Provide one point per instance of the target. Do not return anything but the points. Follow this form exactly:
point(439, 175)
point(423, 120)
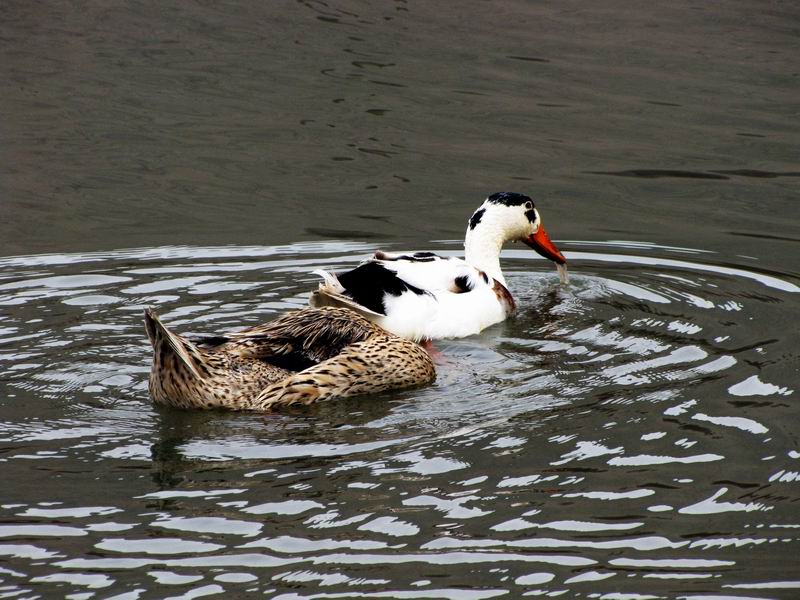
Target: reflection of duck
point(426, 296)
point(304, 356)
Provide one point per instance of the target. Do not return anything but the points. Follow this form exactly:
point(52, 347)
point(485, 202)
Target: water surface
point(631, 433)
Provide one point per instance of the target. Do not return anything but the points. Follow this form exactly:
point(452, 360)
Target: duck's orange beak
point(540, 242)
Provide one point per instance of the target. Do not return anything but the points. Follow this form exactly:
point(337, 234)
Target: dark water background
point(632, 436)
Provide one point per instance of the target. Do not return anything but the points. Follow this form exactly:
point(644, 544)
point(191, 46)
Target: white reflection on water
point(110, 526)
point(210, 494)
point(40, 531)
point(711, 506)
point(78, 512)
point(452, 508)
point(534, 578)
point(205, 590)
point(236, 577)
point(157, 546)
point(295, 545)
point(671, 563)
point(784, 476)
point(753, 386)
point(227, 450)
point(451, 558)
point(65, 282)
point(571, 525)
point(640, 493)
point(330, 520)
point(788, 585)
point(170, 578)
point(287, 507)
point(391, 526)
point(209, 525)
point(438, 593)
point(510, 482)
point(589, 576)
point(587, 450)
point(27, 551)
point(80, 579)
point(643, 543)
point(649, 459)
point(738, 422)
point(217, 561)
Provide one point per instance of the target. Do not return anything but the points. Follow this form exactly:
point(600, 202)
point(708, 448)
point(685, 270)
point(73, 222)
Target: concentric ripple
point(628, 436)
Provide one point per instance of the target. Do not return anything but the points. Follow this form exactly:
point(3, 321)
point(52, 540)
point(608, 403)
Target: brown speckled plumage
point(504, 297)
point(305, 356)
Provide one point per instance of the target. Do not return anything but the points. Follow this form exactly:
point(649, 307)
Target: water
point(630, 433)
point(630, 436)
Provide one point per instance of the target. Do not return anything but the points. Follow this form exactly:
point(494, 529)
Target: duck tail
point(330, 281)
point(166, 342)
point(332, 293)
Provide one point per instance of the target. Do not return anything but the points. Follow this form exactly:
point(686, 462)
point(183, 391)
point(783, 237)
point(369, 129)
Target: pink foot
point(436, 356)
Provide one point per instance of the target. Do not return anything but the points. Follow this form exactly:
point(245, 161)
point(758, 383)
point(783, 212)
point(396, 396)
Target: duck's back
point(418, 296)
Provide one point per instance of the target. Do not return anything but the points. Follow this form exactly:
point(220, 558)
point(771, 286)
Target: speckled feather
point(348, 355)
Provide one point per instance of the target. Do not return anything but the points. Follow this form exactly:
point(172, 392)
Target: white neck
point(482, 247)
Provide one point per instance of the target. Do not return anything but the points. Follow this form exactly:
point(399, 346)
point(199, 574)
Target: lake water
point(633, 435)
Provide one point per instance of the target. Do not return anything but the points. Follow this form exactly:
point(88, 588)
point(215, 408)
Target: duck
point(423, 296)
point(304, 356)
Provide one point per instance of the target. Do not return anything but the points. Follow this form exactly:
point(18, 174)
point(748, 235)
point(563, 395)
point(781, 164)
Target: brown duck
point(304, 356)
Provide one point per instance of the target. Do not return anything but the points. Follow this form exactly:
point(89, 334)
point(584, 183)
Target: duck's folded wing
point(403, 293)
point(378, 364)
point(366, 287)
point(313, 334)
point(332, 293)
point(363, 289)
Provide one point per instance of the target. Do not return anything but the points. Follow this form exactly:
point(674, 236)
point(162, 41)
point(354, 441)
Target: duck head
point(506, 216)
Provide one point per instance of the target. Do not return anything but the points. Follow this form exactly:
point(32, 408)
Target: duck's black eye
point(529, 205)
